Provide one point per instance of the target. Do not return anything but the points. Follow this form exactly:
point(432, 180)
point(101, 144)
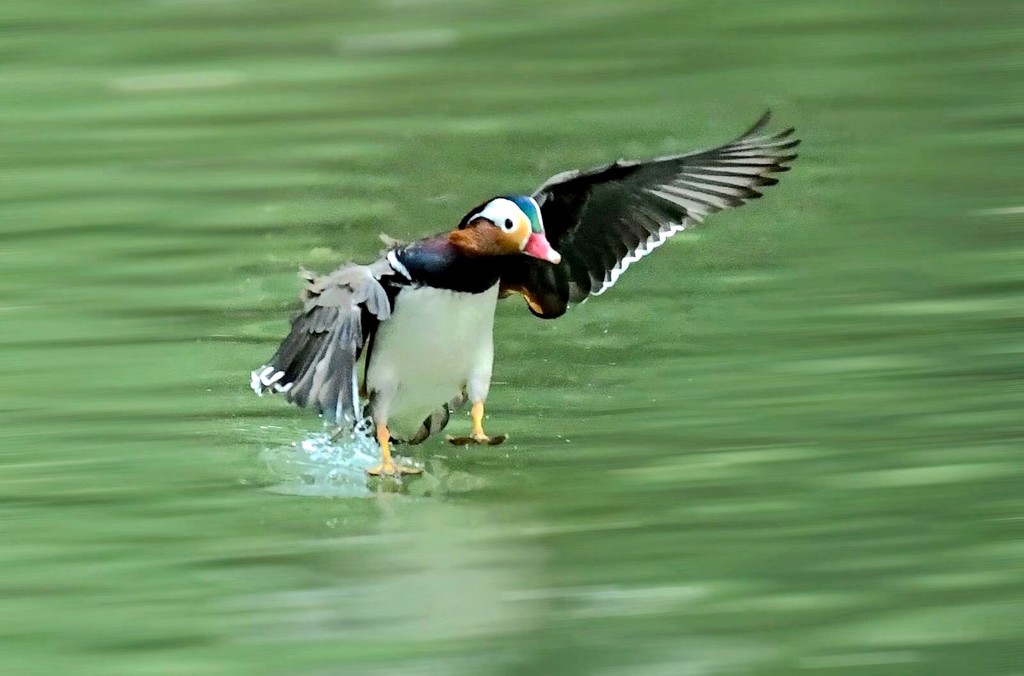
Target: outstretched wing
point(315, 365)
point(606, 219)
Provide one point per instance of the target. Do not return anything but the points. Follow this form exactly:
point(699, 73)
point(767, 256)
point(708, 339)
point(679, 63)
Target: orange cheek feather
point(522, 233)
point(485, 240)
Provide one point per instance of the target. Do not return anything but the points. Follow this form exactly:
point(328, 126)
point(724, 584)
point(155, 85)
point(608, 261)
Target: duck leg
point(389, 467)
point(478, 436)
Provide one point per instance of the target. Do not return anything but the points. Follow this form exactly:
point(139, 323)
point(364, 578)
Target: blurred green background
point(789, 442)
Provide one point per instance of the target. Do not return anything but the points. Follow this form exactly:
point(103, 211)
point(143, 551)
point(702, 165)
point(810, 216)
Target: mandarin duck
point(423, 313)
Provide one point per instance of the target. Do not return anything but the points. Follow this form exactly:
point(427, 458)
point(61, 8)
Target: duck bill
point(538, 247)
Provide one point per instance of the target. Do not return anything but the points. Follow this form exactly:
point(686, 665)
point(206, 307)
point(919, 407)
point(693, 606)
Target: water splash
point(325, 464)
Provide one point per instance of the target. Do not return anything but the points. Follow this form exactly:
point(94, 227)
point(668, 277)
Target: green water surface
point(787, 443)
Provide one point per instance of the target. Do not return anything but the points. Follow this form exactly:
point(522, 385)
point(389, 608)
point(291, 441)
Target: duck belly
point(436, 343)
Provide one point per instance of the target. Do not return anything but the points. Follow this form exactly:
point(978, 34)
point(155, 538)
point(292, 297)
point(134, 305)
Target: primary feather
point(316, 364)
point(605, 219)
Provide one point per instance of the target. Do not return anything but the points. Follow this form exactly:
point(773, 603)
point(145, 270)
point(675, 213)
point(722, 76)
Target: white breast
point(435, 343)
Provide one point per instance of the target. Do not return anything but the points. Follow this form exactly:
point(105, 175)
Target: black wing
point(606, 219)
point(315, 365)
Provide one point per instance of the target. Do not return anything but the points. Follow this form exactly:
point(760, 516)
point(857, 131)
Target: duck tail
point(438, 420)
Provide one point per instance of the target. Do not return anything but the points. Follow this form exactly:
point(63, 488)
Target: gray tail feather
point(438, 420)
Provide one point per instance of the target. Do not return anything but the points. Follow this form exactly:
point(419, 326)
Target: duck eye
point(508, 224)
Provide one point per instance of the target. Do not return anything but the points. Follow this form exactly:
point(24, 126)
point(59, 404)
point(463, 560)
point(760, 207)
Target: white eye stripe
point(504, 213)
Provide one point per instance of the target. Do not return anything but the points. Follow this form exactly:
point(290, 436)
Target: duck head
point(505, 226)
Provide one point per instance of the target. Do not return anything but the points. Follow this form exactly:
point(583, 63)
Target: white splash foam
point(325, 465)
